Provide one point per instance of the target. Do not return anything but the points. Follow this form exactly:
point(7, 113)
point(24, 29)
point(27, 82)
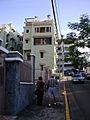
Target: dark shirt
point(40, 85)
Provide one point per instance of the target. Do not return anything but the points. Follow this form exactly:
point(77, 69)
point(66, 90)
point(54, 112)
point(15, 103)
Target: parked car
point(78, 78)
point(75, 71)
point(68, 72)
point(88, 76)
point(83, 73)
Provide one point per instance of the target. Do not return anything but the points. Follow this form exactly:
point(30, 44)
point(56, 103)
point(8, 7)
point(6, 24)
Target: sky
point(15, 11)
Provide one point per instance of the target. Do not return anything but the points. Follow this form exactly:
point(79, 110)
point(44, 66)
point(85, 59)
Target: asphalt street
point(79, 100)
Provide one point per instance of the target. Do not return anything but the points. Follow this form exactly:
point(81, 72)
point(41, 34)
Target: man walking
point(52, 90)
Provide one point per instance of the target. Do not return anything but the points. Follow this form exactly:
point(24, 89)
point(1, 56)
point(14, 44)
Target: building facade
point(39, 38)
point(12, 40)
point(63, 51)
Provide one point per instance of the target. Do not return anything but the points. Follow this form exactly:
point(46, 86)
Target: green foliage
point(79, 39)
point(83, 28)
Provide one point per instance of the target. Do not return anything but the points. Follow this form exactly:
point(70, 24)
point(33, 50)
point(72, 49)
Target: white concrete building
point(12, 40)
point(61, 62)
point(39, 38)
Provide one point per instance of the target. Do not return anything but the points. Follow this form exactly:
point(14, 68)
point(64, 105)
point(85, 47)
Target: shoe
point(55, 103)
point(49, 105)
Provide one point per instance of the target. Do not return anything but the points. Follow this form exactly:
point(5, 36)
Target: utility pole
point(55, 14)
point(62, 45)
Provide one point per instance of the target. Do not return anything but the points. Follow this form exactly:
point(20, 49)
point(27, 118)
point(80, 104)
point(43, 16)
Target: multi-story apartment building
point(12, 40)
point(39, 38)
point(62, 53)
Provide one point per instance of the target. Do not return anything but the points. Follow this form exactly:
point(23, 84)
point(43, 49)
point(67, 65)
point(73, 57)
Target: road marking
point(66, 104)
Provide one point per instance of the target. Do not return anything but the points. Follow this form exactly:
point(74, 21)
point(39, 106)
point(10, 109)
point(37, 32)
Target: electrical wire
point(58, 24)
point(53, 8)
point(56, 17)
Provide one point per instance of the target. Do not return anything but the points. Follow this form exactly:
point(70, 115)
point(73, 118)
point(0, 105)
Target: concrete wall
point(16, 92)
point(19, 93)
point(2, 82)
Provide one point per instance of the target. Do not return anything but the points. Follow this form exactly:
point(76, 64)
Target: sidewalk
point(7, 117)
point(34, 112)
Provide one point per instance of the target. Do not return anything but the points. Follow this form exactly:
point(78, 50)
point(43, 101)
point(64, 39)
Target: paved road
point(79, 100)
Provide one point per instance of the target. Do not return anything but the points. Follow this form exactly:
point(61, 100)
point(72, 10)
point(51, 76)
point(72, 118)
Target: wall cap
point(14, 59)
point(26, 83)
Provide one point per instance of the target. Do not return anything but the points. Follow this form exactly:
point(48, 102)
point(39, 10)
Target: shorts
point(52, 92)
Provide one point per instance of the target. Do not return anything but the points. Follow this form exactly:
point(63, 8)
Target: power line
point(56, 17)
point(53, 8)
point(59, 28)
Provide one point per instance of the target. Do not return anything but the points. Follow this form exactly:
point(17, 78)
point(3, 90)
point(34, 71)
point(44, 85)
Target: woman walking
point(40, 90)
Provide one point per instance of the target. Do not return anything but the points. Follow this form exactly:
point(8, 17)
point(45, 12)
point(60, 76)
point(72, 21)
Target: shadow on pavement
point(34, 112)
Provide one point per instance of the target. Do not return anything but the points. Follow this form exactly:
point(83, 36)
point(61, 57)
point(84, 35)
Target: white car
point(78, 78)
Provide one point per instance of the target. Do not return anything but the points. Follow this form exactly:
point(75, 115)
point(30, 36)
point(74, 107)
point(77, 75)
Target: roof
point(4, 49)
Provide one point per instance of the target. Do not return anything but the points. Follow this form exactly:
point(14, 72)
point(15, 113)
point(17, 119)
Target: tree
point(83, 29)
point(79, 39)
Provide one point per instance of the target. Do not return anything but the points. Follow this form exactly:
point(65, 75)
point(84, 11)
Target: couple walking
point(51, 86)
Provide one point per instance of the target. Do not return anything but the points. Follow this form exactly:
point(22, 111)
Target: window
point(13, 30)
point(27, 31)
point(6, 45)
point(48, 29)
point(66, 48)
point(15, 43)
point(37, 41)
point(26, 41)
point(37, 29)
point(66, 54)
point(41, 67)
point(28, 57)
point(43, 41)
point(59, 48)
point(41, 54)
point(7, 36)
point(49, 41)
point(20, 47)
point(19, 37)
point(42, 29)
